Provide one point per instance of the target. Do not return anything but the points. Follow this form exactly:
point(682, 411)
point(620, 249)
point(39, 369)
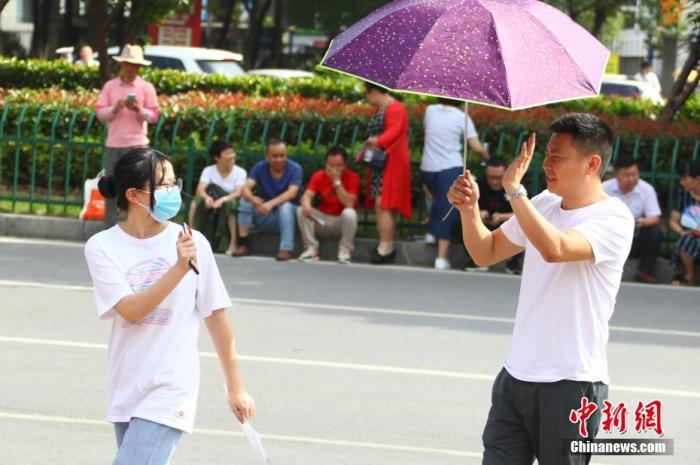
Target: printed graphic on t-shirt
point(143, 276)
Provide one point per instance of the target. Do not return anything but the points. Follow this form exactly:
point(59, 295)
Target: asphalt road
point(348, 364)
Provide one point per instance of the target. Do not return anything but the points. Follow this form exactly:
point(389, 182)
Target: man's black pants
point(645, 247)
point(531, 420)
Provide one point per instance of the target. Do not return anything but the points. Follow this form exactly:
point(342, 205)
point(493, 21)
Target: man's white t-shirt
point(641, 200)
point(561, 325)
point(235, 178)
point(444, 136)
point(153, 366)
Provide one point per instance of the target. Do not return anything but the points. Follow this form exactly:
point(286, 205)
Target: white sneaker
point(311, 254)
point(442, 264)
point(344, 255)
point(429, 238)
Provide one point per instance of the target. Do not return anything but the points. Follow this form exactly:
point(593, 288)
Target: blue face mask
point(168, 203)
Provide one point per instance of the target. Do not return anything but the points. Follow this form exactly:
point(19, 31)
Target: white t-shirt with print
point(444, 136)
point(153, 366)
point(561, 325)
point(235, 178)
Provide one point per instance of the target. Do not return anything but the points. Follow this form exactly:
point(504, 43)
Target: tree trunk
point(42, 28)
point(121, 21)
point(99, 16)
point(100, 19)
point(227, 20)
point(681, 90)
point(3, 4)
point(276, 51)
point(135, 26)
point(256, 18)
point(600, 15)
point(68, 34)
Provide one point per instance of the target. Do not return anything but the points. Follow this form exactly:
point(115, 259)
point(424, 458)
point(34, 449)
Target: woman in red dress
point(388, 190)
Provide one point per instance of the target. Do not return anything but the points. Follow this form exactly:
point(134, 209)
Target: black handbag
point(215, 191)
point(376, 158)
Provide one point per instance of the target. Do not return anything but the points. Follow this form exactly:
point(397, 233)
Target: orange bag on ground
point(94, 202)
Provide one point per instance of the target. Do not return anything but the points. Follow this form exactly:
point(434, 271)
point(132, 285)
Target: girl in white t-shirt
point(144, 280)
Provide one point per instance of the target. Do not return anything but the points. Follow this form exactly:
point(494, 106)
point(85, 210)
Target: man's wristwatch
point(336, 183)
point(519, 192)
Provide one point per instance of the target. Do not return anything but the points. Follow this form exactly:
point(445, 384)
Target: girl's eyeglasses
point(169, 188)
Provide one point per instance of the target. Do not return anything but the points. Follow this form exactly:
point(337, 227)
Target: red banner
point(179, 29)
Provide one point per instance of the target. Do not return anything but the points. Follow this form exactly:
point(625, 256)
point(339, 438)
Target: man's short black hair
point(496, 162)
point(372, 86)
point(273, 141)
point(337, 150)
point(217, 148)
point(645, 64)
point(451, 102)
point(624, 161)
point(590, 135)
point(690, 168)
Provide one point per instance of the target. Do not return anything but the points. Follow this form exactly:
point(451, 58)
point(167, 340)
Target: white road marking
point(271, 437)
point(411, 268)
point(355, 309)
point(353, 366)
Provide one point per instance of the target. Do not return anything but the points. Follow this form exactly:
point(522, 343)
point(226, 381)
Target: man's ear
point(594, 163)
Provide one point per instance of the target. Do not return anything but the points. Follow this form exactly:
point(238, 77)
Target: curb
point(407, 253)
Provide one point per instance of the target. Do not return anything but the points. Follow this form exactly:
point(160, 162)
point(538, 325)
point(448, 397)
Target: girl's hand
point(242, 405)
point(186, 251)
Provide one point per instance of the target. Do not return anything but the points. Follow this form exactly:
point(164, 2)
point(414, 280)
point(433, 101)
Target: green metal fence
point(46, 154)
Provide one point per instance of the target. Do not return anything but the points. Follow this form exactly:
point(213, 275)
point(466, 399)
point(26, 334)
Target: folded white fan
point(254, 439)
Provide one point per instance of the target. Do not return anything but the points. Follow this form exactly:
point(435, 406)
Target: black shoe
point(378, 259)
point(513, 269)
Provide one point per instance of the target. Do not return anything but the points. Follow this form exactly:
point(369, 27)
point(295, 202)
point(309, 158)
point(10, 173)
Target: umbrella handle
point(464, 164)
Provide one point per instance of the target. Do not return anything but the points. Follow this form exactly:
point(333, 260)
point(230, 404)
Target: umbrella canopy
point(511, 54)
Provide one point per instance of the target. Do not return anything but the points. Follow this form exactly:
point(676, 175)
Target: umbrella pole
point(466, 128)
point(464, 150)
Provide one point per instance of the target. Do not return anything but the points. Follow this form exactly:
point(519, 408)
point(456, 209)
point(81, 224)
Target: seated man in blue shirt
point(273, 207)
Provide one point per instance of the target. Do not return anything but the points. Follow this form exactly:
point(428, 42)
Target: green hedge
point(39, 74)
point(44, 134)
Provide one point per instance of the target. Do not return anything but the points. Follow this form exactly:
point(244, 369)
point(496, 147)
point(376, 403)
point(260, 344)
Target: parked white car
point(622, 86)
point(192, 59)
point(282, 73)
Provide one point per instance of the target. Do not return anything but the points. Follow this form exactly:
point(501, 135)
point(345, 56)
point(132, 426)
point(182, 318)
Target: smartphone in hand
point(187, 231)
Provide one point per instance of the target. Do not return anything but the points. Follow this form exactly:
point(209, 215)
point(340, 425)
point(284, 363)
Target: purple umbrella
point(512, 54)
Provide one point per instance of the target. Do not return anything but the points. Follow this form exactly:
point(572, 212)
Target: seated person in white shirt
point(213, 211)
point(640, 197)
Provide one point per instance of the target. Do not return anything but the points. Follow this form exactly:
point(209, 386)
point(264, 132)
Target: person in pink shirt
point(128, 104)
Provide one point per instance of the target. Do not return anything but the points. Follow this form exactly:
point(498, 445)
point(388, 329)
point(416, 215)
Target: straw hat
point(132, 54)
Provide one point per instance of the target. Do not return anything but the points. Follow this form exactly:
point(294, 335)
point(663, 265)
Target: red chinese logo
point(614, 417)
point(648, 417)
point(582, 415)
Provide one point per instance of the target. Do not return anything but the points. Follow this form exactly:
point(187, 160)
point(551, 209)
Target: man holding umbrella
point(576, 240)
